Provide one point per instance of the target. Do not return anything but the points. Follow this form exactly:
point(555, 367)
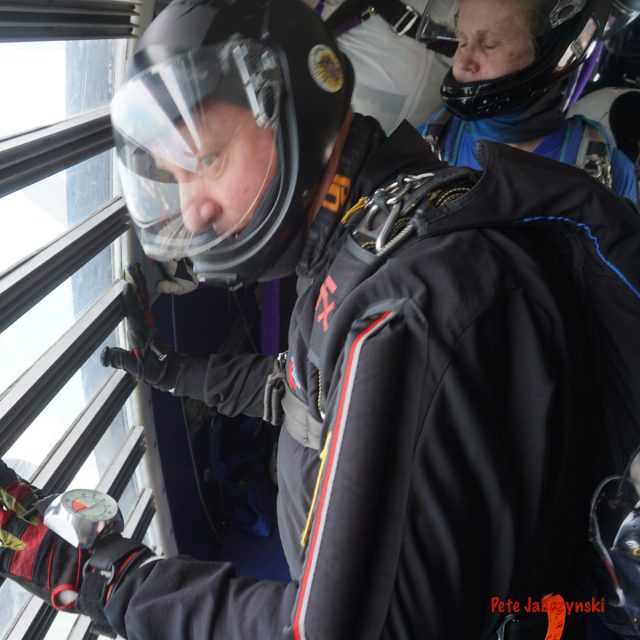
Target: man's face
point(492, 42)
point(237, 160)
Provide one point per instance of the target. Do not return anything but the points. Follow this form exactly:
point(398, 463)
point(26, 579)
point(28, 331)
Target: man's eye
point(209, 160)
point(489, 46)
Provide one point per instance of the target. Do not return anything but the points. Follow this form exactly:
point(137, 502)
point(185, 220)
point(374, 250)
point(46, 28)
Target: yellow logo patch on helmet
point(326, 69)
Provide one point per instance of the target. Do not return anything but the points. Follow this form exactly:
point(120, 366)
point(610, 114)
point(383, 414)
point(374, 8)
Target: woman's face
point(237, 162)
point(492, 42)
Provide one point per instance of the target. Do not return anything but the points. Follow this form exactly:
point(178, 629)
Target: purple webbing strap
point(270, 318)
point(585, 73)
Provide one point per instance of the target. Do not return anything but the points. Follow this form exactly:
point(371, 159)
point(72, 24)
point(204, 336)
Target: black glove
point(152, 359)
point(178, 277)
point(49, 567)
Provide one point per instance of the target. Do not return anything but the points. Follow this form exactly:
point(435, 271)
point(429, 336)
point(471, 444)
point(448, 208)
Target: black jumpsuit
point(438, 416)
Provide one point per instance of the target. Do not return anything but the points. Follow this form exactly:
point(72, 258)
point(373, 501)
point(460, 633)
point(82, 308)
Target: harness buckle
point(599, 168)
point(274, 391)
point(377, 230)
point(406, 21)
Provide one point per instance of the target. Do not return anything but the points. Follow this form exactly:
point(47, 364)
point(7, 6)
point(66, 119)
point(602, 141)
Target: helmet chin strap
point(332, 167)
point(287, 261)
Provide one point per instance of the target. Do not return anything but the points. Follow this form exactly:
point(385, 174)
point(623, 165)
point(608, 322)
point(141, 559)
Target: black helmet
point(566, 39)
point(203, 71)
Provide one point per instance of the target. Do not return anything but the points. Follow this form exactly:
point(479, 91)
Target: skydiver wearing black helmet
point(442, 386)
point(517, 68)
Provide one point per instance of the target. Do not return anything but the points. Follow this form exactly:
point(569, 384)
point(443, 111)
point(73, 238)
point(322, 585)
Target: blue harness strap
point(579, 133)
point(443, 132)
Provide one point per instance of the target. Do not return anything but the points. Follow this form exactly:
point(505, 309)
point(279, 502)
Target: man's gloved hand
point(178, 277)
point(46, 565)
point(152, 359)
point(30, 553)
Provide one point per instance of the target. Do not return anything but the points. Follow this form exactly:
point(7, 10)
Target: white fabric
point(171, 284)
point(150, 560)
point(397, 77)
point(66, 597)
point(597, 105)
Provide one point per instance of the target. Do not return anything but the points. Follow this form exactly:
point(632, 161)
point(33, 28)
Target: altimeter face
point(87, 504)
point(81, 516)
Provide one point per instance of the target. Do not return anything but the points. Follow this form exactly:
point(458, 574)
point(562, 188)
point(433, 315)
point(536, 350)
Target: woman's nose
point(465, 63)
point(199, 208)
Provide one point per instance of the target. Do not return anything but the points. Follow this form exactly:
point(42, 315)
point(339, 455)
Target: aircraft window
point(62, 626)
point(30, 336)
point(66, 421)
point(51, 206)
point(52, 423)
point(58, 85)
point(12, 600)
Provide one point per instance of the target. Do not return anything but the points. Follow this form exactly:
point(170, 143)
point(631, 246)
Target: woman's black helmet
point(567, 38)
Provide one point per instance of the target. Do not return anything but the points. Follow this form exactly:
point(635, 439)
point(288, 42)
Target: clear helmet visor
point(446, 26)
point(197, 141)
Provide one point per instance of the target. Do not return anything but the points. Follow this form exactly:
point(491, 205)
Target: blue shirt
point(561, 144)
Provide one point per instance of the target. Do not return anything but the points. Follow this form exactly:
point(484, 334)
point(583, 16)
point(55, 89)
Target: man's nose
point(198, 206)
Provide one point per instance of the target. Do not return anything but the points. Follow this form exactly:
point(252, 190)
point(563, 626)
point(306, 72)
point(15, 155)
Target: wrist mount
point(110, 560)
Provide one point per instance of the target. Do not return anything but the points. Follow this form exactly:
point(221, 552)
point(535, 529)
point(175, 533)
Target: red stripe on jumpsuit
point(305, 583)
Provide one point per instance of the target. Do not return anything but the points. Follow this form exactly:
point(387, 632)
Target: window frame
point(33, 20)
point(28, 158)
